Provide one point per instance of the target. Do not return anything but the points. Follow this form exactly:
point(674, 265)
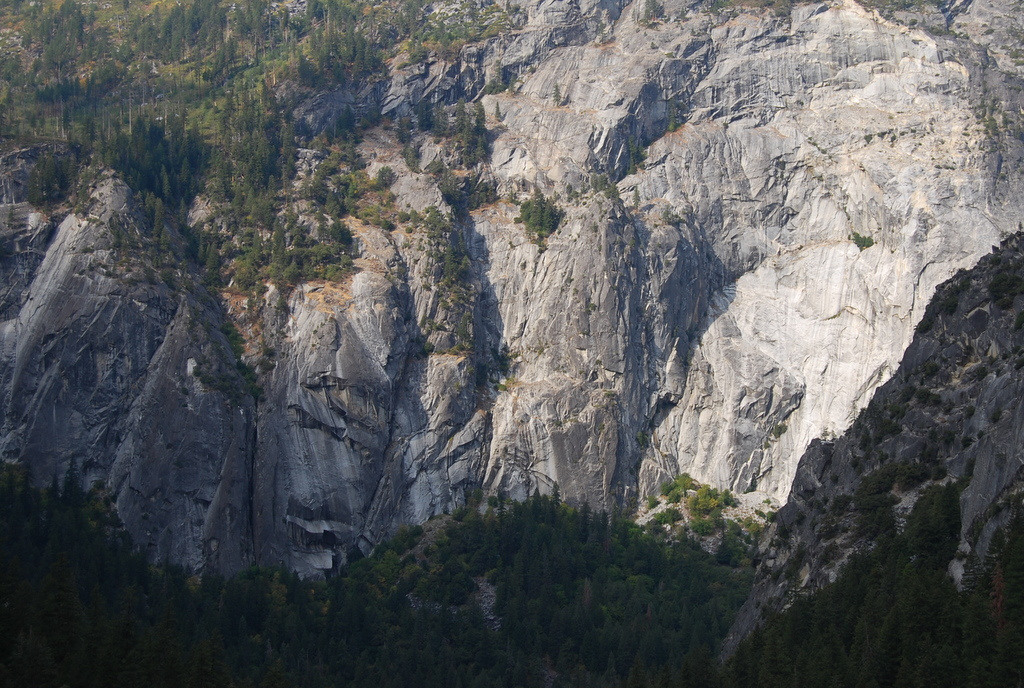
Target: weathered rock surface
point(712, 312)
point(96, 372)
point(951, 408)
point(724, 318)
point(798, 136)
point(832, 132)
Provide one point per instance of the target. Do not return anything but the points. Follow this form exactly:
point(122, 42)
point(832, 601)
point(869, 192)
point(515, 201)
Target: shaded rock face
point(96, 368)
point(327, 418)
point(950, 411)
point(785, 195)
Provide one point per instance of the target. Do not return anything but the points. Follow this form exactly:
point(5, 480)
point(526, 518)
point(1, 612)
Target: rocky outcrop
point(757, 209)
point(836, 140)
point(796, 138)
point(950, 412)
point(99, 366)
point(328, 412)
point(761, 279)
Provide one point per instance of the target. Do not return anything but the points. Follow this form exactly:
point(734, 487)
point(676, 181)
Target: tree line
point(581, 598)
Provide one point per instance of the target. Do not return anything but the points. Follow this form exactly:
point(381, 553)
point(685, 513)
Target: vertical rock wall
point(757, 209)
point(98, 375)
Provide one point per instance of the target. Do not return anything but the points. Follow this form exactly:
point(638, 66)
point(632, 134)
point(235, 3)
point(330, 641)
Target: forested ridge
point(895, 618)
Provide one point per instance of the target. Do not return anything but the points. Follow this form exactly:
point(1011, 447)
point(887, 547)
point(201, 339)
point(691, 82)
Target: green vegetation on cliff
point(201, 97)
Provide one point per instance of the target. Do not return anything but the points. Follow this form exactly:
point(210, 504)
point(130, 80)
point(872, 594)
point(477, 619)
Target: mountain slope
point(738, 217)
point(950, 413)
point(103, 363)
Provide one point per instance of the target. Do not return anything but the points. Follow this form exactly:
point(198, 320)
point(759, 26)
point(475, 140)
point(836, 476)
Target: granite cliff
point(950, 413)
point(101, 362)
point(758, 207)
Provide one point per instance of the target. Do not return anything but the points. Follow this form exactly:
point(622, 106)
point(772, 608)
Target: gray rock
point(950, 408)
point(97, 375)
point(709, 310)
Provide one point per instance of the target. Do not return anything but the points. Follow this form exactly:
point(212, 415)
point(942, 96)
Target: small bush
point(386, 177)
point(702, 526)
point(709, 502)
point(668, 517)
point(862, 241)
point(1004, 287)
